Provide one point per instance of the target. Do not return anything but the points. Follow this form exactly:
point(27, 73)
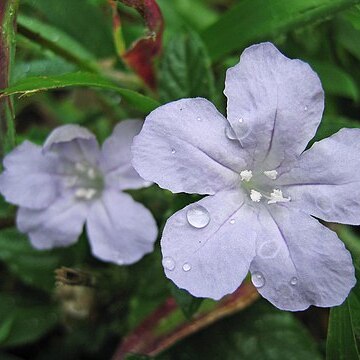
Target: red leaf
point(140, 57)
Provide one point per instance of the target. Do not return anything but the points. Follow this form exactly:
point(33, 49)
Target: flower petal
point(211, 261)
point(73, 143)
point(29, 178)
point(325, 182)
point(56, 226)
point(274, 104)
point(120, 230)
point(183, 148)
point(300, 262)
point(116, 157)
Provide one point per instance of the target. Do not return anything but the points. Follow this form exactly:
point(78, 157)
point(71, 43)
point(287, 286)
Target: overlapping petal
point(29, 178)
point(120, 230)
point(183, 148)
point(58, 225)
point(274, 105)
point(324, 181)
point(73, 143)
point(116, 157)
point(211, 261)
point(300, 262)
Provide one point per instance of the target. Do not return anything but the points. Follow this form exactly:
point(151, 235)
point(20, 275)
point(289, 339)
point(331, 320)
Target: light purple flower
point(69, 181)
point(263, 187)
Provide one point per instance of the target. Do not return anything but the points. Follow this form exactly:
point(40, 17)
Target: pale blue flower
point(70, 181)
point(264, 189)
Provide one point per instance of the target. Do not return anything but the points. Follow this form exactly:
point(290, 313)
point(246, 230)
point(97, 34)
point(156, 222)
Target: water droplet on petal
point(324, 204)
point(168, 263)
point(198, 216)
point(293, 281)
point(173, 151)
point(242, 129)
point(232, 221)
point(258, 279)
point(305, 108)
point(186, 267)
point(198, 119)
point(229, 133)
point(268, 249)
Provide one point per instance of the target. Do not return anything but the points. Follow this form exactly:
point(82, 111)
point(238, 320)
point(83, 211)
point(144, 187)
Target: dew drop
point(168, 263)
point(198, 216)
point(293, 281)
point(173, 151)
point(258, 279)
point(324, 204)
point(229, 133)
point(186, 267)
point(268, 249)
point(232, 221)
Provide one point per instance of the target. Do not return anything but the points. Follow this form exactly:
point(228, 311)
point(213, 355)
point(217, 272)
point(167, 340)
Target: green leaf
point(261, 332)
point(335, 80)
point(24, 321)
point(34, 267)
point(32, 85)
point(185, 69)
point(57, 41)
point(255, 20)
point(189, 304)
point(331, 124)
point(343, 341)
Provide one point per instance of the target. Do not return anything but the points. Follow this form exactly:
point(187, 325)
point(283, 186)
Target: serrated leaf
point(29, 320)
point(255, 20)
point(32, 85)
point(189, 304)
point(185, 69)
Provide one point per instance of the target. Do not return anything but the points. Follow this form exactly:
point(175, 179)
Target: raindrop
point(293, 281)
point(173, 151)
point(242, 129)
point(186, 267)
point(324, 204)
point(258, 279)
point(198, 216)
point(305, 108)
point(198, 118)
point(229, 133)
point(232, 221)
point(168, 263)
point(268, 249)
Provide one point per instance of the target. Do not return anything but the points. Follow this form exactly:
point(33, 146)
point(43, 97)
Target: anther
point(277, 196)
point(255, 195)
point(246, 175)
point(271, 174)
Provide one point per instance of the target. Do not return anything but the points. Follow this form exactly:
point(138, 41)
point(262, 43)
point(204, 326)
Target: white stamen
point(246, 175)
point(91, 173)
point(271, 174)
point(86, 194)
point(80, 167)
point(255, 195)
point(277, 196)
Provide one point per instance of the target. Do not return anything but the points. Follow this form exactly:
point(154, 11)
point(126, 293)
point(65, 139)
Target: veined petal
point(300, 262)
point(208, 246)
point(274, 104)
point(29, 178)
point(120, 230)
point(56, 226)
point(183, 148)
point(324, 181)
point(73, 143)
point(116, 157)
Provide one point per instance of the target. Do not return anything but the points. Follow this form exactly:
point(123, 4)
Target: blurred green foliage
point(67, 47)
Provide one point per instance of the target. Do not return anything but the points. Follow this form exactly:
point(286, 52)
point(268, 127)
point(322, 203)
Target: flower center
point(85, 180)
point(262, 186)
